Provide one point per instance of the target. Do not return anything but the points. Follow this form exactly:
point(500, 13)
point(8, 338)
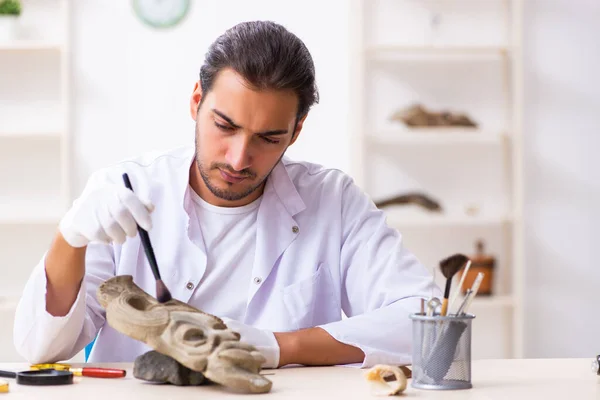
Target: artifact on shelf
point(420, 199)
point(199, 341)
point(480, 262)
point(472, 210)
point(417, 115)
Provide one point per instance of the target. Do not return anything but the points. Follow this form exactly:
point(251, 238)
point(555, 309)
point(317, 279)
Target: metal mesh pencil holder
point(441, 352)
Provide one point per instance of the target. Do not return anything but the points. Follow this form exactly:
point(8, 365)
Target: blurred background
point(488, 108)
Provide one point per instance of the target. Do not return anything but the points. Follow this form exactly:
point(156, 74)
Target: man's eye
point(266, 139)
point(223, 127)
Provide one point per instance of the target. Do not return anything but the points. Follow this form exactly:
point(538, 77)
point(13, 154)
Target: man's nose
point(239, 154)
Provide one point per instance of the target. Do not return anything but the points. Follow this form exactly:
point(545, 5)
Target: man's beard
point(225, 194)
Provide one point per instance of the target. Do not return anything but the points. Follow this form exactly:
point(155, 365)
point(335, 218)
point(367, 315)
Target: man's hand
point(107, 214)
point(312, 346)
point(264, 341)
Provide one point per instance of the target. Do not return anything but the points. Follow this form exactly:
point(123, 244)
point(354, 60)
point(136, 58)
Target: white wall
point(562, 214)
point(131, 92)
point(132, 83)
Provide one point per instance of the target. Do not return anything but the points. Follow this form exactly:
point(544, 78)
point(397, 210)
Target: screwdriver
point(85, 371)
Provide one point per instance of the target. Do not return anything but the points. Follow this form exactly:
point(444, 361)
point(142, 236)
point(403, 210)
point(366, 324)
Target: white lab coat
point(321, 247)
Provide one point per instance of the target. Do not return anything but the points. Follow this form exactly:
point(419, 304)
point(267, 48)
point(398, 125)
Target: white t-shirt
point(229, 235)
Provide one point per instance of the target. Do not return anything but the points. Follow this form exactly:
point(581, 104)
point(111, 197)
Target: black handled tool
point(162, 293)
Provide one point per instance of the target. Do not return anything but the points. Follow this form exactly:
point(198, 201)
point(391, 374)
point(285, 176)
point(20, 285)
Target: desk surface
point(492, 379)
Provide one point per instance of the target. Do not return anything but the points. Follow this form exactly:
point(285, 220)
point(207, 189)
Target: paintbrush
point(450, 266)
point(460, 285)
point(472, 293)
point(162, 293)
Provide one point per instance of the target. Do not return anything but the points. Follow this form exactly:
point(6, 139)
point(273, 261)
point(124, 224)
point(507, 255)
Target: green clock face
point(161, 13)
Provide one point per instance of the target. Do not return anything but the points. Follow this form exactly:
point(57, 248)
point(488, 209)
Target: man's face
point(241, 134)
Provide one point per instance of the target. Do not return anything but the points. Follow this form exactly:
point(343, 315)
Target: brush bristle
point(453, 264)
point(162, 293)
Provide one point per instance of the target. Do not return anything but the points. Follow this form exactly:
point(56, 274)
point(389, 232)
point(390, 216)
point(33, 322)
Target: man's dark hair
point(268, 56)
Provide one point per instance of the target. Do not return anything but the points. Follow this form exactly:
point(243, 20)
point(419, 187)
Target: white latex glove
point(105, 214)
point(264, 341)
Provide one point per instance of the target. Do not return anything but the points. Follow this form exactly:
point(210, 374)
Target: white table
point(565, 379)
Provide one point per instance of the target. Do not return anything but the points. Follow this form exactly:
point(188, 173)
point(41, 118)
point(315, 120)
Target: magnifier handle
point(100, 372)
point(8, 374)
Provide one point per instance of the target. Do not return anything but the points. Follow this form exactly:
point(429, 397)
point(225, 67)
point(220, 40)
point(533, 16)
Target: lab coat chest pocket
point(311, 301)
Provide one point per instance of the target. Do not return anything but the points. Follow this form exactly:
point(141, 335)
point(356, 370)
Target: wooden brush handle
point(444, 307)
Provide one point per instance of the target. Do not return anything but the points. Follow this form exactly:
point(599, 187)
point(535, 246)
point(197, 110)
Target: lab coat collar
point(279, 186)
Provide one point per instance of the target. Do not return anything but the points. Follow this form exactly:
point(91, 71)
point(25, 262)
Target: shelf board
point(401, 220)
point(29, 214)
point(494, 301)
point(30, 134)
point(436, 136)
point(9, 302)
point(391, 52)
point(30, 45)
point(481, 304)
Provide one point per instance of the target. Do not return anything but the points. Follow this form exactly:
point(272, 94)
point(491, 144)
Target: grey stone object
point(159, 368)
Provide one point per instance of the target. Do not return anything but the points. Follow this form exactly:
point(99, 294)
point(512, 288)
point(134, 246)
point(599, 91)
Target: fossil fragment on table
point(386, 380)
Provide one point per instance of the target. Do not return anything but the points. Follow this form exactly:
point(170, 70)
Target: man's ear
point(195, 100)
point(298, 129)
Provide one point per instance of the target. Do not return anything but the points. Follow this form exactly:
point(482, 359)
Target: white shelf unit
point(34, 146)
point(19, 45)
point(49, 134)
point(433, 136)
point(414, 219)
point(447, 53)
point(471, 65)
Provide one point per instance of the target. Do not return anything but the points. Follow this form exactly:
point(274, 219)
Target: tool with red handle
point(85, 371)
point(98, 372)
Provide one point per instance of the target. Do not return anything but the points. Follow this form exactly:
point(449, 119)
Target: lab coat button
point(257, 280)
point(190, 285)
point(295, 229)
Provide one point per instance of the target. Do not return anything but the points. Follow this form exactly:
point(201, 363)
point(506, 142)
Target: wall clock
point(161, 13)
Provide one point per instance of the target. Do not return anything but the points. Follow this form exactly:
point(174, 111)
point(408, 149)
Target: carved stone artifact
point(417, 115)
point(197, 340)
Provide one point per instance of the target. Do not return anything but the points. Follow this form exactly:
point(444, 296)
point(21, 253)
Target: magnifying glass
point(40, 377)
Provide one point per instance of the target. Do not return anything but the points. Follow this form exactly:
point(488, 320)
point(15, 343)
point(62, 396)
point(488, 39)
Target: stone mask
point(197, 340)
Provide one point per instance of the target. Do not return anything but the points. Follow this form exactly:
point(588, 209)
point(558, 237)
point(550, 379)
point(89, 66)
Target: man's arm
point(314, 347)
point(381, 284)
point(65, 268)
point(44, 331)
point(58, 313)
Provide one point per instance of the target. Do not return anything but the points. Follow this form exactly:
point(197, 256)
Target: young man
point(274, 247)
